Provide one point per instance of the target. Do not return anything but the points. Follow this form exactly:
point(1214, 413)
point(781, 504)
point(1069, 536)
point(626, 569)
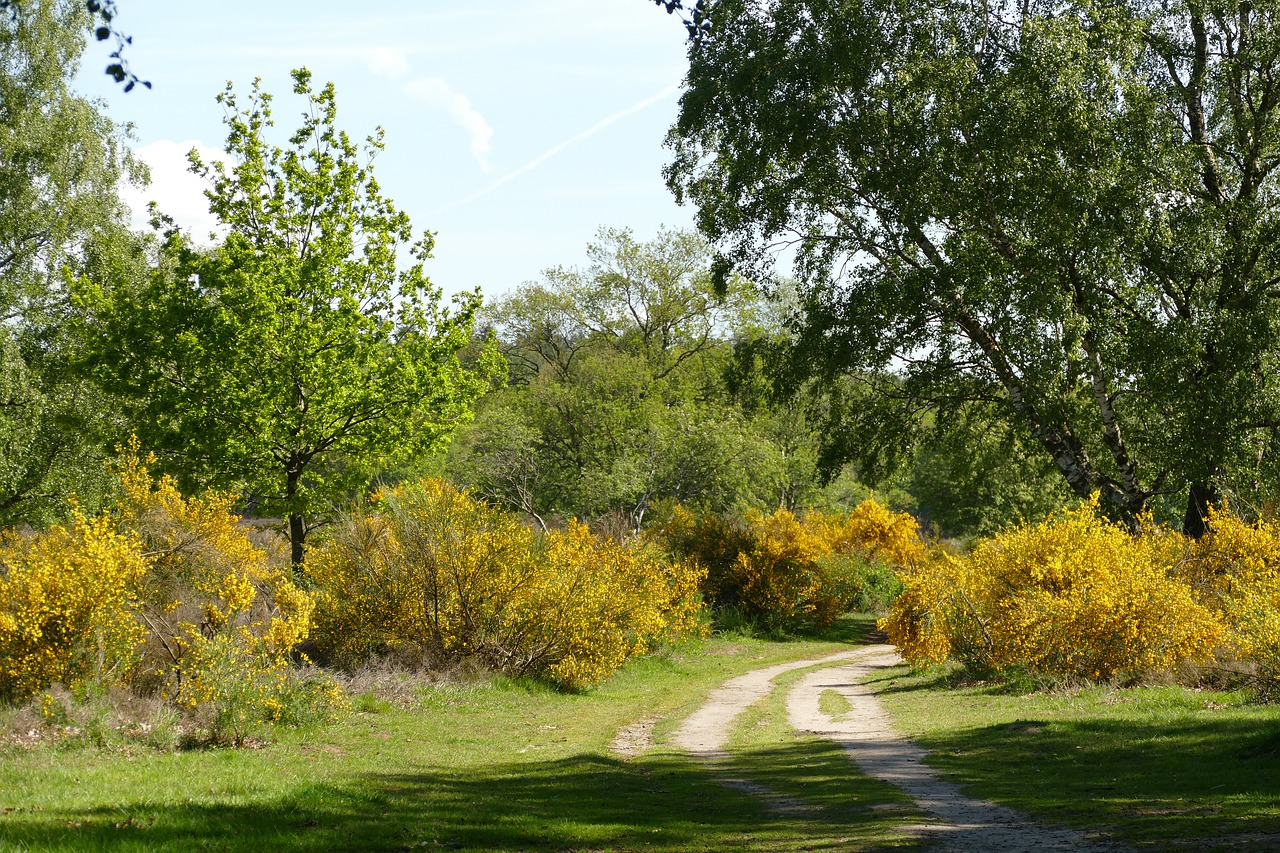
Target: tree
point(1064, 211)
point(616, 397)
point(61, 162)
point(297, 355)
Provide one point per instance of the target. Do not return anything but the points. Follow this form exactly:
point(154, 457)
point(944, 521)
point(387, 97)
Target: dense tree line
point(634, 384)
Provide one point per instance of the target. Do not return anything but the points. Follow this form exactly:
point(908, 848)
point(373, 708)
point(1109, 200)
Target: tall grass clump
point(434, 577)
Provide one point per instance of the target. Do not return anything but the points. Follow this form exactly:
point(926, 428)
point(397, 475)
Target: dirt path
point(963, 824)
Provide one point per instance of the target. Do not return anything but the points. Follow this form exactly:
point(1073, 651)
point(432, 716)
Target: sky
point(515, 129)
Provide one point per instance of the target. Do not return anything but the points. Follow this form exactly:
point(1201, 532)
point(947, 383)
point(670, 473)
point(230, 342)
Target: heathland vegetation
point(1018, 400)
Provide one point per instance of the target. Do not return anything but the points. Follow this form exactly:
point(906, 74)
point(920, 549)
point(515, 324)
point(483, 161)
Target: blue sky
point(514, 128)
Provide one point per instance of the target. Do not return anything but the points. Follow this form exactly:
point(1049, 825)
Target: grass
point(491, 765)
point(1165, 768)
point(497, 764)
point(833, 704)
point(817, 773)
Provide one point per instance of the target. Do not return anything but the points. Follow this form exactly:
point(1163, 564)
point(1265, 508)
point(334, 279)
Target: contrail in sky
point(568, 143)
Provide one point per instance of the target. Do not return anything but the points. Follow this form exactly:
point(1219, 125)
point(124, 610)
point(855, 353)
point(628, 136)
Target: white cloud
point(438, 93)
point(569, 143)
point(175, 190)
point(386, 61)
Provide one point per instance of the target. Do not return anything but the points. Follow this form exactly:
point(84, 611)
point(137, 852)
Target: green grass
point(833, 704)
point(498, 764)
point(818, 773)
point(492, 765)
point(1165, 768)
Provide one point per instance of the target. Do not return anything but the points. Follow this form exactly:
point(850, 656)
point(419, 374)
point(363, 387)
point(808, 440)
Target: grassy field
point(1166, 768)
point(502, 765)
point(489, 765)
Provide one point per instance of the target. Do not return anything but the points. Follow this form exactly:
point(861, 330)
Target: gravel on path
point(963, 824)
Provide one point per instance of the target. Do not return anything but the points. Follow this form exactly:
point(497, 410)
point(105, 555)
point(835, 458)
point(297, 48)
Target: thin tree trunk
point(297, 525)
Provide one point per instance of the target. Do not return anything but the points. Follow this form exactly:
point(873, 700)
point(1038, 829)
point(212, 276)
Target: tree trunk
point(1199, 499)
point(297, 525)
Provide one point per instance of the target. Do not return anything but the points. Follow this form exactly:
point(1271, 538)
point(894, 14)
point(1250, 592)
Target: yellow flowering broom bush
point(1075, 596)
point(204, 578)
point(435, 576)
point(67, 603)
point(1235, 569)
point(166, 594)
point(221, 619)
point(787, 571)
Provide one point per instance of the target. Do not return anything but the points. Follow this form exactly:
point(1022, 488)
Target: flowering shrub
point(438, 576)
point(236, 681)
point(67, 600)
point(165, 593)
point(1075, 596)
point(714, 540)
point(204, 579)
point(786, 571)
point(1235, 569)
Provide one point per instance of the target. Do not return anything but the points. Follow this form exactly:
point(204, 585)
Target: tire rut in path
point(964, 824)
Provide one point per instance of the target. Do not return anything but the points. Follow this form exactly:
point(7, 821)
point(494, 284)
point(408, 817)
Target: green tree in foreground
point(1065, 213)
point(297, 356)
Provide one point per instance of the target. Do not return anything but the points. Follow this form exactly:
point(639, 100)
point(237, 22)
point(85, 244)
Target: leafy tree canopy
point(61, 161)
point(1066, 210)
point(617, 398)
point(298, 354)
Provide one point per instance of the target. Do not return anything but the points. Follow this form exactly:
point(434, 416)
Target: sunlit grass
point(490, 764)
point(1166, 766)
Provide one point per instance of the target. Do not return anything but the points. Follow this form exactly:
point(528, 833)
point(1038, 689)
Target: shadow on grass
point(1159, 781)
point(851, 628)
point(584, 802)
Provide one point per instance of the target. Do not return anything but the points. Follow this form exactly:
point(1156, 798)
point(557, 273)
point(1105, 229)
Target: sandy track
point(705, 731)
point(963, 824)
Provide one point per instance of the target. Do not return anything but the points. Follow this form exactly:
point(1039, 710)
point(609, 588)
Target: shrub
point(1073, 597)
point(165, 593)
point(712, 539)
point(206, 586)
point(787, 572)
point(67, 603)
point(236, 682)
point(1235, 569)
point(436, 576)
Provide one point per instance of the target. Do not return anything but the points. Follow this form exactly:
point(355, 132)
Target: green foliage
point(1064, 213)
point(60, 215)
point(296, 356)
point(972, 475)
point(617, 398)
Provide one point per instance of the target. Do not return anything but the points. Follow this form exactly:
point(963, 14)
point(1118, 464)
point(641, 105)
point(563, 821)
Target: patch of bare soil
point(631, 740)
